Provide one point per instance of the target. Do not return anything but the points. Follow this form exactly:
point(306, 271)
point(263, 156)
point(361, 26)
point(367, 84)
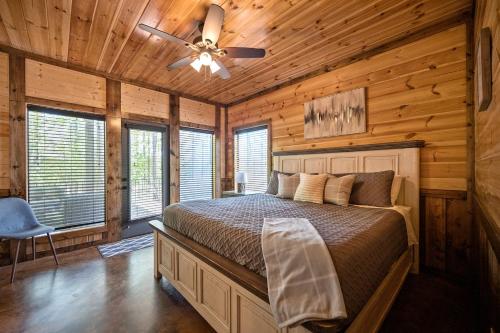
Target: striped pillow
point(311, 188)
point(272, 187)
point(338, 189)
point(287, 185)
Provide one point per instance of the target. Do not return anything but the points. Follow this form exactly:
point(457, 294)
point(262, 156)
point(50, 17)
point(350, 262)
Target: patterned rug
point(126, 245)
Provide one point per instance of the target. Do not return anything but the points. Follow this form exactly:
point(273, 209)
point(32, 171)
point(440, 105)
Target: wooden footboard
point(231, 304)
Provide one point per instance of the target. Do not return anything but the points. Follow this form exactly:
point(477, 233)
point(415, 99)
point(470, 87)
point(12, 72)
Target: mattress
point(363, 242)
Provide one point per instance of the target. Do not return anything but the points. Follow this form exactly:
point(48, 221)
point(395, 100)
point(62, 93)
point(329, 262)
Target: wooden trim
point(423, 33)
point(113, 160)
point(226, 128)
point(29, 55)
point(17, 110)
point(79, 231)
point(376, 146)
point(372, 316)
point(469, 99)
point(174, 119)
point(489, 225)
point(197, 126)
point(135, 117)
point(218, 144)
point(446, 194)
point(64, 106)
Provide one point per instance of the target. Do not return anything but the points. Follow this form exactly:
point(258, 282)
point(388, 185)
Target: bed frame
point(233, 299)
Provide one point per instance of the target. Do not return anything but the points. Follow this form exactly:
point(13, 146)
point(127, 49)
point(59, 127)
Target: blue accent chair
point(18, 222)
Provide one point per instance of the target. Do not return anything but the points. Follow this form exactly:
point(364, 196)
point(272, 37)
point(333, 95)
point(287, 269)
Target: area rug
point(126, 245)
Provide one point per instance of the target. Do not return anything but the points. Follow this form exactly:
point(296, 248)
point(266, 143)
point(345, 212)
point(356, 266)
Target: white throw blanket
point(301, 278)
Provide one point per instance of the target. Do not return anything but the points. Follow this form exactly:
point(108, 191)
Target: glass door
point(145, 173)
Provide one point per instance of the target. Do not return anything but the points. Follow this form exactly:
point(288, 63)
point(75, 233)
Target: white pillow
point(397, 182)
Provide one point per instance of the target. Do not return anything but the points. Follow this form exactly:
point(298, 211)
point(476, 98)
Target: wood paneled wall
point(64, 85)
point(58, 87)
point(487, 177)
point(445, 233)
point(144, 102)
point(194, 112)
point(417, 91)
point(4, 125)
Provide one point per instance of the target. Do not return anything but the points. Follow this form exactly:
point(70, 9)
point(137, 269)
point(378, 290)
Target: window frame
point(249, 127)
point(206, 130)
point(72, 113)
point(128, 124)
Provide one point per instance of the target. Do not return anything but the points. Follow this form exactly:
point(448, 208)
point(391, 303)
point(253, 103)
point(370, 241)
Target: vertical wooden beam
point(17, 110)
point(218, 144)
point(113, 160)
point(227, 183)
point(17, 139)
point(174, 120)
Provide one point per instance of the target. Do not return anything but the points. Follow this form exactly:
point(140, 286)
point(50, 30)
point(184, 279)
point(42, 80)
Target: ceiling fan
point(205, 50)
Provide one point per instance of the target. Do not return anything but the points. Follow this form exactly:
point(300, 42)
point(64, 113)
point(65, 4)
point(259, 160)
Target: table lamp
point(241, 180)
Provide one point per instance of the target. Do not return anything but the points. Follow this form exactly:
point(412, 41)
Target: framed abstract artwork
point(340, 114)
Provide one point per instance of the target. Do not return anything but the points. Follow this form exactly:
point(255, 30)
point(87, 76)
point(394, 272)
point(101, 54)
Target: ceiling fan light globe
point(196, 64)
point(214, 67)
point(205, 59)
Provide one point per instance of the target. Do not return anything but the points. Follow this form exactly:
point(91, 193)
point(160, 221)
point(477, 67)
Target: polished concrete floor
point(119, 294)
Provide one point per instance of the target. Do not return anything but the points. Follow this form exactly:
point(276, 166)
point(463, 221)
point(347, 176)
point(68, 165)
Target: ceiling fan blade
point(180, 63)
point(222, 72)
point(244, 52)
point(166, 36)
point(213, 24)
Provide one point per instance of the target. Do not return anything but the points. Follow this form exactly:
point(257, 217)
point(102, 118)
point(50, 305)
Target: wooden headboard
point(402, 157)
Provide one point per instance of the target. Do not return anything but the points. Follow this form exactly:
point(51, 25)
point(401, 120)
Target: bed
point(211, 252)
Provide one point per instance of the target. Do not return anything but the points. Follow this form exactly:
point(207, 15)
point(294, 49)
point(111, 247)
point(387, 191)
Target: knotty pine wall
point(414, 91)
point(53, 86)
point(487, 179)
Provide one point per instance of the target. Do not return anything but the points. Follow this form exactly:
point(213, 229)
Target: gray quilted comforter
point(363, 242)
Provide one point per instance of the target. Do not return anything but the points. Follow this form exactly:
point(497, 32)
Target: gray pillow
point(272, 186)
point(371, 188)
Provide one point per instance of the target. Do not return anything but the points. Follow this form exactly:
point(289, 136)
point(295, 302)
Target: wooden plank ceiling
point(300, 36)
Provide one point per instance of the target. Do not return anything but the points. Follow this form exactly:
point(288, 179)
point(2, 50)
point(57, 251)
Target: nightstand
point(229, 194)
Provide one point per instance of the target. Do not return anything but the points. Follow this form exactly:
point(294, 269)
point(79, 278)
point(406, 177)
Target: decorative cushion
point(272, 187)
point(311, 188)
point(372, 188)
point(396, 188)
point(338, 189)
point(287, 185)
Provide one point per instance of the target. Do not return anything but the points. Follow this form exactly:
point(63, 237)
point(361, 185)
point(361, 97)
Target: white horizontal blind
point(66, 186)
point(251, 156)
point(146, 173)
point(196, 164)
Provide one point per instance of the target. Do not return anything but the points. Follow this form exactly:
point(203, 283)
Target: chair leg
point(33, 247)
point(53, 248)
point(15, 261)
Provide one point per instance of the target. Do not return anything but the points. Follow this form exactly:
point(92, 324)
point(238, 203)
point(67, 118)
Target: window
point(196, 164)
point(66, 185)
point(144, 171)
point(252, 156)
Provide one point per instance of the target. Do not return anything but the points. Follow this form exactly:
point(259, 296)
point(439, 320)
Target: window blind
point(66, 186)
point(196, 164)
point(251, 156)
point(145, 173)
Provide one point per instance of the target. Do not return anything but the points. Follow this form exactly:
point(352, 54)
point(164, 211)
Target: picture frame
point(483, 79)
point(343, 113)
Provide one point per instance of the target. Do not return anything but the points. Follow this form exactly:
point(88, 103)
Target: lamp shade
point(241, 177)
